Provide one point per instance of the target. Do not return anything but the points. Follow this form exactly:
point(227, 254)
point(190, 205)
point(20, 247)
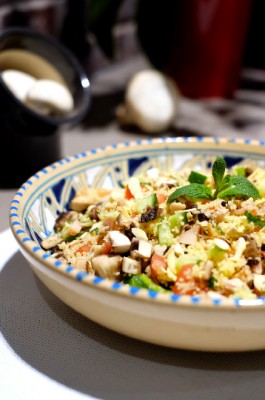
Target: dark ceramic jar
point(31, 140)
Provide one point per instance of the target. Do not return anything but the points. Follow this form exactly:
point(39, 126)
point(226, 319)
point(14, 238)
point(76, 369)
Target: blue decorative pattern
point(35, 220)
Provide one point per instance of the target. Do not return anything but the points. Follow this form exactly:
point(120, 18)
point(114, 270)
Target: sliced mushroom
point(107, 266)
point(93, 214)
point(139, 233)
point(255, 265)
point(123, 221)
point(67, 216)
point(74, 228)
point(252, 250)
point(120, 242)
point(141, 249)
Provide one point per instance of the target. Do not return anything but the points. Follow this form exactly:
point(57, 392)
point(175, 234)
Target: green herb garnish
point(256, 220)
point(218, 171)
point(236, 185)
point(226, 186)
point(212, 282)
point(192, 192)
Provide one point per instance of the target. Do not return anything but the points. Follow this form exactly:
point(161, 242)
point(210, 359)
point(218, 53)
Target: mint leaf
point(192, 192)
point(256, 220)
point(196, 177)
point(237, 186)
point(218, 171)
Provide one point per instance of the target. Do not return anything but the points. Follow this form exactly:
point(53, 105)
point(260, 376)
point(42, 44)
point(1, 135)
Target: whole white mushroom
point(18, 82)
point(151, 102)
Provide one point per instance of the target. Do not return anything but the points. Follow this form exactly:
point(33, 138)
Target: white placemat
point(48, 351)
point(19, 379)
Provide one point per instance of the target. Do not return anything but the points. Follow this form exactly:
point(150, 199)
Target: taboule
point(188, 232)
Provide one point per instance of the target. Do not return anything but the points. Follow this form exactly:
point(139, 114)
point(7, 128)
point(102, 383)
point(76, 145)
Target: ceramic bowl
point(187, 322)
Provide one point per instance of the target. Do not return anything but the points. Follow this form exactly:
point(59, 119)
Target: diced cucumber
point(258, 179)
point(240, 171)
point(149, 201)
point(184, 260)
point(176, 220)
point(196, 177)
point(143, 281)
point(164, 234)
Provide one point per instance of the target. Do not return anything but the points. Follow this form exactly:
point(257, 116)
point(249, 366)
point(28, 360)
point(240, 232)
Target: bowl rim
point(30, 249)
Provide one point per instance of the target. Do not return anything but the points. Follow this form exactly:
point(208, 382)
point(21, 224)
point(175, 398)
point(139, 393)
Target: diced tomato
point(185, 283)
point(185, 273)
point(128, 194)
point(161, 197)
point(106, 247)
point(157, 264)
point(85, 248)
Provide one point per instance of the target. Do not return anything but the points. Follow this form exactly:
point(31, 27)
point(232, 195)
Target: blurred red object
point(207, 54)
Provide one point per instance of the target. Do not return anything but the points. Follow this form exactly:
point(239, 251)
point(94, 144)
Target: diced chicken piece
point(117, 194)
point(164, 181)
point(153, 173)
point(178, 249)
point(96, 249)
point(120, 243)
point(51, 242)
point(240, 248)
point(88, 196)
point(139, 234)
point(259, 283)
point(73, 229)
point(130, 266)
point(214, 295)
point(80, 263)
point(160, 249)
point(123, 221)
point(189, 236)
point(221, 244)
point(135, 187)
point(233, 284)
point(107, 266)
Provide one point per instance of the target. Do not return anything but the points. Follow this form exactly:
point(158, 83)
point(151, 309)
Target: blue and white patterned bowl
point(187, 322)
